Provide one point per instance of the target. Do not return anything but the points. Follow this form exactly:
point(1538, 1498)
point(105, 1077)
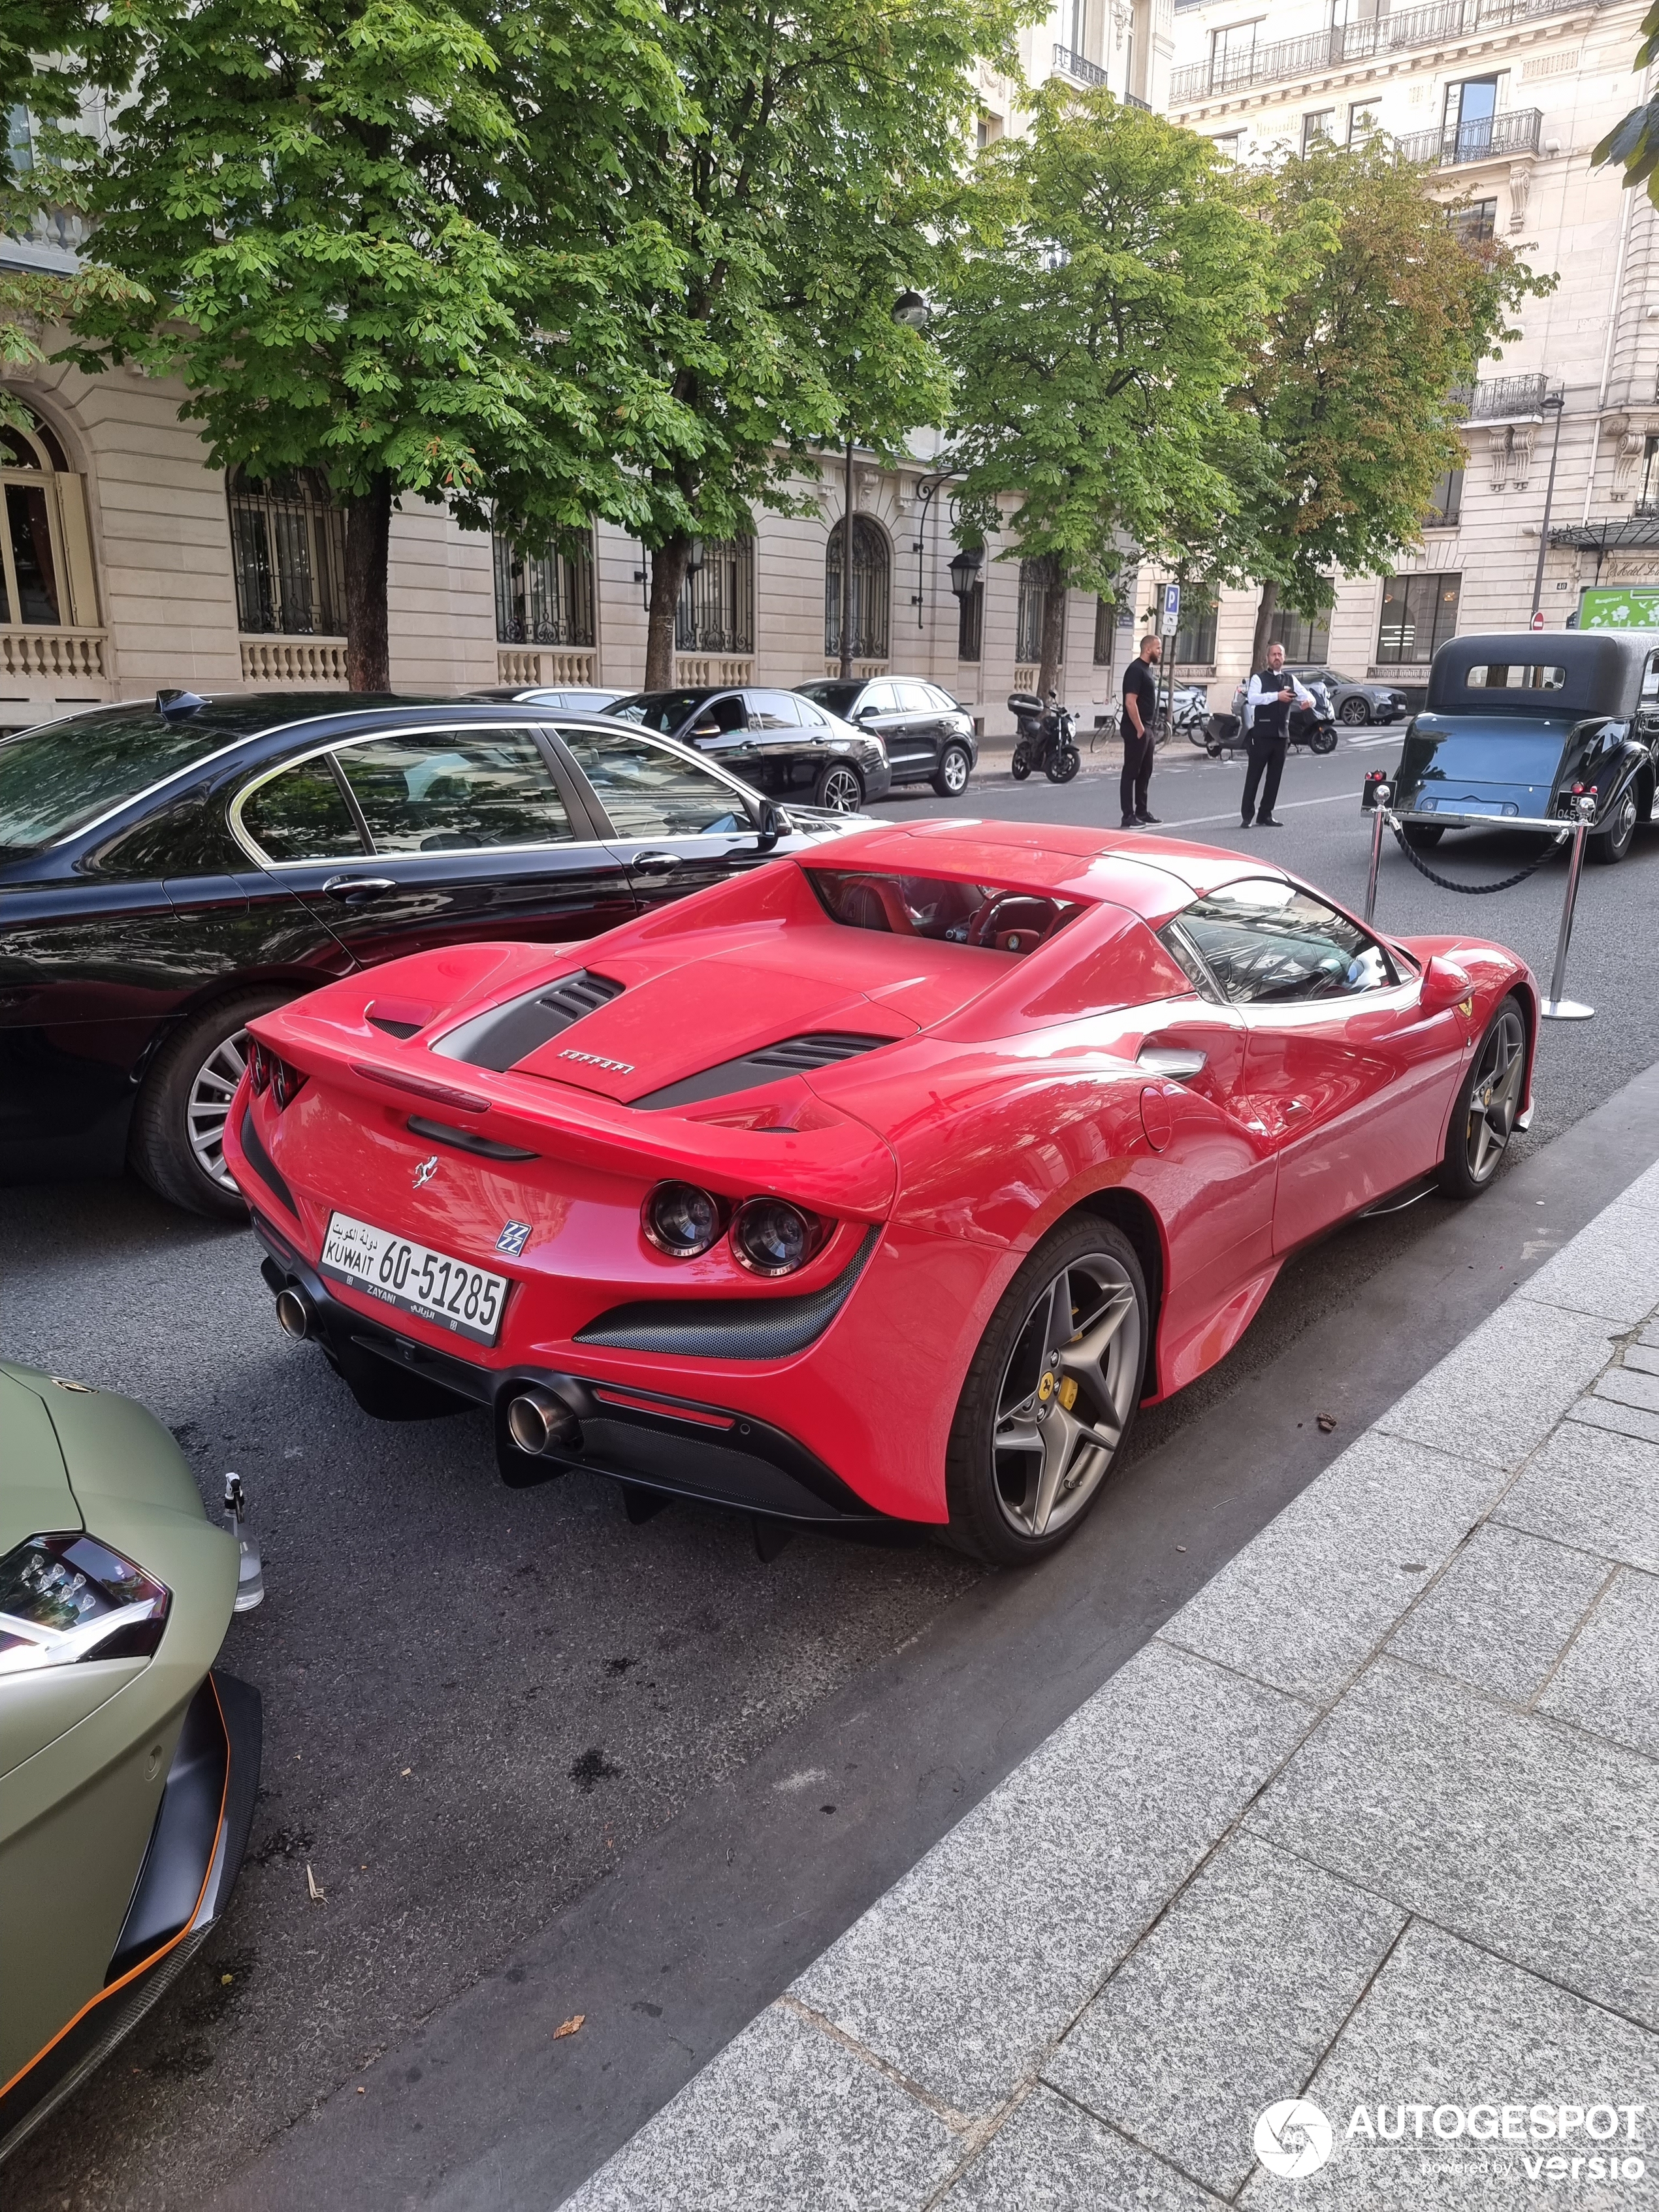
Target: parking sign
point(1171, 609)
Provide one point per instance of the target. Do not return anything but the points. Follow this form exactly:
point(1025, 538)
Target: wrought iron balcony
point(1495, 137)
point(1077, 67)
point(1502, 398)
point(1320, 50)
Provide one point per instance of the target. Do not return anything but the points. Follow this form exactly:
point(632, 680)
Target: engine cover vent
point(796, 1055)
point(508, 1034)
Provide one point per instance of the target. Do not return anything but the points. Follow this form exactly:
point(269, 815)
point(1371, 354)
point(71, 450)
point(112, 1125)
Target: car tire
point(950, 779)
point(839, 788)
point(176, 1142)
point(1354, 711)
point(1607, 845)
point(1483, 1120)
point(1012, 1502)
point(1422, 836)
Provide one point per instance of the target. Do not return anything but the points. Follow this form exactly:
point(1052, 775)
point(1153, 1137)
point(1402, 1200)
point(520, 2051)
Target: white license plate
point(412, 1277)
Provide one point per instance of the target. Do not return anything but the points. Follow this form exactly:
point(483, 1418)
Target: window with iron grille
point(1419, 613)
point(970, 621)
point(287, 544)
point(872, 590)
point(716, 612)
point(1105, 631)
point(1475, 223)
point(1304, 637)
point(1445, 501)
point(1195, 639)
point(1033, 600)
point(542, 598)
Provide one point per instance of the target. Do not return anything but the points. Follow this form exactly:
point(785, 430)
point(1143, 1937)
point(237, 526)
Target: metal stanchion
point(1380, 798)
point(1555, 1008)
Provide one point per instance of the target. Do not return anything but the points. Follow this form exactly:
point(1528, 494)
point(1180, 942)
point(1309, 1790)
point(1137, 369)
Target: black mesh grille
point(508, 1034)
point(728, 1329)
point(790, 1056)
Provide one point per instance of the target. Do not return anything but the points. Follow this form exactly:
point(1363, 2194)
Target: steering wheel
point(983, 929)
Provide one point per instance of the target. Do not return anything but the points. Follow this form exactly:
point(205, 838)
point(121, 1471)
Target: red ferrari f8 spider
point(885, 1181)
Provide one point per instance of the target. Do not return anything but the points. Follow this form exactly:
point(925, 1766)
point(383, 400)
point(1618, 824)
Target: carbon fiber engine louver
point(508, 1034)
point(794, 1055)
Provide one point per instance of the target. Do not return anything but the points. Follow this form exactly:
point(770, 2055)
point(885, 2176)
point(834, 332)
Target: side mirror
point(707, 730)
point(772, 826)
point(1444, 984)
point(864, 712)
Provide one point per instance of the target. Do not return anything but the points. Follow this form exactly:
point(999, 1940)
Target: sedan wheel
point(1488, 1107)
point(178, 1141)
point(839, 789)
point(1050, 1396)
point(1353, 711)
point(208, 1107)
point(951, 779)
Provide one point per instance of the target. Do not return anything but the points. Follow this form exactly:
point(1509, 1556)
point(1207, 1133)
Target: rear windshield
point(657, 710)
point(1515, 676)
point(992, 916)
point(55, 780)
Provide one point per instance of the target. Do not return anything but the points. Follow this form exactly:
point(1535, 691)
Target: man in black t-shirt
point(1139, 706)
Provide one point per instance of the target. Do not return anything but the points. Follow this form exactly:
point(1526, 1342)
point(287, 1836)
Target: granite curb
point(1372, 1821)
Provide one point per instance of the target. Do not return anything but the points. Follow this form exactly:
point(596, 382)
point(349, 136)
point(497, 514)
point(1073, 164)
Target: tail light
point(682, 1220)
point(770, 1236)
point(268, 1070)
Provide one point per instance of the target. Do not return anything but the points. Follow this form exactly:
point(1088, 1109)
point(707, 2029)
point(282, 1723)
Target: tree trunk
point(668, 565)
point(368, 531)
point(847, 566)
point(1053, 625)
point(1264, 622)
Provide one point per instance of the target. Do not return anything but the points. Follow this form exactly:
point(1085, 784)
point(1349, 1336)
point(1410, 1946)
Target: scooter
point(1314, 727)
point(1046, 737)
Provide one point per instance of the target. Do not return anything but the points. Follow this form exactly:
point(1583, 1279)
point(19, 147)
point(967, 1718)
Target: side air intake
point(790, 1056)
point(508, 1034)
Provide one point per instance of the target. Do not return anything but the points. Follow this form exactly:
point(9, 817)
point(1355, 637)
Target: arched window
point(288, 542)
point(544, 598)
point(1034, 589)
point(46, 550)
point(716, 612)
point(872, 587)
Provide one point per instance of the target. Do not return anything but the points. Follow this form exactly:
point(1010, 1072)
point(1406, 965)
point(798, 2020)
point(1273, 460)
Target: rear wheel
point(1020, 766)
point(1050, 1396)
point(839, 788)
point(950, 779)
point(1483, 1120)
point(178, 1139)
point(1612, 843)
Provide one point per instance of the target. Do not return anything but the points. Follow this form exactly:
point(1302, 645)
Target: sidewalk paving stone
point(1050, 2157)
point(785, 2118)
point(1606, 1413)
point(1498, 1394)
point(1610, 1681)
point(1628, 1386)
point(1506, 1827)
point(1321, 1585)
point(1612, 1267)
point(964, 1974)
point(1501, 1616)
point(1238, 1992)
point(1445, 2023)
point(1598, 1491)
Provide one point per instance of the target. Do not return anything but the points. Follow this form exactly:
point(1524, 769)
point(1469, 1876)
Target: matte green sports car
point(127, 1769)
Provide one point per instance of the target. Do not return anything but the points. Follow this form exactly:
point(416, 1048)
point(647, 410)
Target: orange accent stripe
point(669, 1412)
point(143, 1964)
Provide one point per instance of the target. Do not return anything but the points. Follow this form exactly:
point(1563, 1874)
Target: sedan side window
point(774, 710)
point(913, 699)
point(302, 815)
point(649, 791)
point(879, 699)
point(455, 790)
point(1269, 944)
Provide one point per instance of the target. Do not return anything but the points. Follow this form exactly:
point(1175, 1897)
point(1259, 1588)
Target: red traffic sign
point(1538, 619)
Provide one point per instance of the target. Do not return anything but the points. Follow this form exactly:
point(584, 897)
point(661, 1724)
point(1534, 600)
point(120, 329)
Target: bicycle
point(1105, 730)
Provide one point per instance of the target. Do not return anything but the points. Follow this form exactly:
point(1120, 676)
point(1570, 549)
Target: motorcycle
point(1046, 737)
point(1313, 727)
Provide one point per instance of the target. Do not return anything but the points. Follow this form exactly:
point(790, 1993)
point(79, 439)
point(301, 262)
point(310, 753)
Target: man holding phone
point(1272, 693)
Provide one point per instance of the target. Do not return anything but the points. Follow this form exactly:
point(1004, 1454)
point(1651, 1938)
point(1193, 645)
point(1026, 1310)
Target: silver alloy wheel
point(208, 1107)
point(1353, 711)
point(840, 792)
point(1495, 1095)
point(953, 770)
point(1067, 1392)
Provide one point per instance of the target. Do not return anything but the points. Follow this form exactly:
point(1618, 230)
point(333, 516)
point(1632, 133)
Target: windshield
point(993, 915)
point(657, 710)
point(56, 779)
point(839, 698)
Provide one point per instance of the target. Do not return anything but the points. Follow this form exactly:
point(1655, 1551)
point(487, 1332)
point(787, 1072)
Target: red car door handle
point(655, 863)
point(1296, 1106)
point(350, 889)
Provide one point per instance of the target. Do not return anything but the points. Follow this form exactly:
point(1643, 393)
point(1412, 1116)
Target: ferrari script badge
point(424, 1173)
point(597, 1059)
point(514, 1236)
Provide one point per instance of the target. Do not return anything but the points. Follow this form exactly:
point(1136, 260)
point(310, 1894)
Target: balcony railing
point(1077, 67)
point(1224, 74)
point(1501, 399)
point(1496, 136)
point(58, 656)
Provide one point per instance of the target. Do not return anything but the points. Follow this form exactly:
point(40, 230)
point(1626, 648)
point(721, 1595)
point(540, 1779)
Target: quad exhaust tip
point(295, 1315)
point(539, 1422)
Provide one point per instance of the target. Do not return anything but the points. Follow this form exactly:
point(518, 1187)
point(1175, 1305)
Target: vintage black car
point(1521, 724)
point(783, 743)
point(169, 870)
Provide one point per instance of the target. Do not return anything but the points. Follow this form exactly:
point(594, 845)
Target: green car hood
point(35, 1497)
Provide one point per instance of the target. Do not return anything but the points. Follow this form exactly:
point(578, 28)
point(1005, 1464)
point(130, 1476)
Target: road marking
point(1198, 821)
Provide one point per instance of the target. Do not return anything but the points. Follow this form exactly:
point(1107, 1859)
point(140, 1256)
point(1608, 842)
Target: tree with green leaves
point(1108, 281)
point(1351, 385)
point(794, 186)
point(1634, 142)
point(307, 191)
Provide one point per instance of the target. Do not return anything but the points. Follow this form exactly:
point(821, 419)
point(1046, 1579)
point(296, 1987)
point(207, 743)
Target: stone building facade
point(1506, 98)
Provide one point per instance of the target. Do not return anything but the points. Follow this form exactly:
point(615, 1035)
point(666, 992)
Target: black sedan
point(784, 745)
point(169, 871)
point(929, 737)
point(1352, 701)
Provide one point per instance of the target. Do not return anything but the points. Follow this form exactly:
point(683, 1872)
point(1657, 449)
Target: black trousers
point(1137, 775)
point(1266, 751)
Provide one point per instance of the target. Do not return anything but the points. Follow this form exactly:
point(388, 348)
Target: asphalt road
point(479, 1703)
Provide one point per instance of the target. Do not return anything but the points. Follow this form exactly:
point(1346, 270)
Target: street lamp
point(1558, 400)
point(911, 311)
point(964, 570)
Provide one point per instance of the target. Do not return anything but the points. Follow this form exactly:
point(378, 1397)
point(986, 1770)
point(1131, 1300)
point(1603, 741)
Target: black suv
point(783, 743)
point(929, 737)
